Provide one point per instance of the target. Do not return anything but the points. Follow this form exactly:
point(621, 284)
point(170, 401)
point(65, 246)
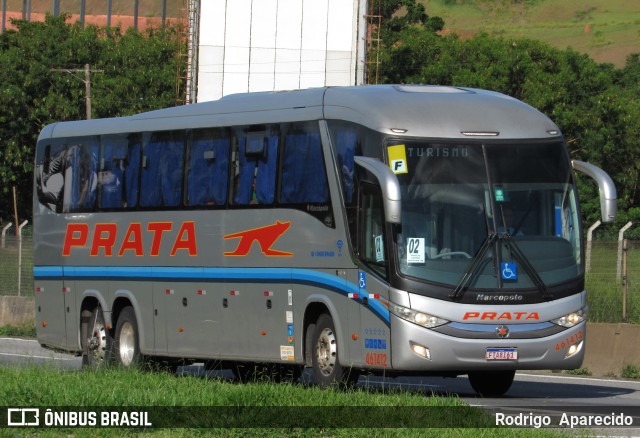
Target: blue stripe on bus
point(248, 274)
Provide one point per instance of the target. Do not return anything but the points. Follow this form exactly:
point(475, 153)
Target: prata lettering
point(504, 316)
point(103, 239)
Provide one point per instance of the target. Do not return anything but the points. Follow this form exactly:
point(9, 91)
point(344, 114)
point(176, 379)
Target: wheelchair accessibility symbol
point(509, 271)
point(362, 279)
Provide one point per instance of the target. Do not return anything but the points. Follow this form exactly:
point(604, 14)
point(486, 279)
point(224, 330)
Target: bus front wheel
point(127, 346)
point(491, 383)
point(97, 343)
point(326, 366)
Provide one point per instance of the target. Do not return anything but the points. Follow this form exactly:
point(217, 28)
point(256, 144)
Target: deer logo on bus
point(265, 236)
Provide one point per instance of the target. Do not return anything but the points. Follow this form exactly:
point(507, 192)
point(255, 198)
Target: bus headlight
point(571, 319)
point(420, 318)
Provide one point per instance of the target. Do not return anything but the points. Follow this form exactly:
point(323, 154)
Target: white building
point(266, 45)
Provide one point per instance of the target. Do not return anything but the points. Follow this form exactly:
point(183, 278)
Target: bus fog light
point(573, 349)
point(420, 350)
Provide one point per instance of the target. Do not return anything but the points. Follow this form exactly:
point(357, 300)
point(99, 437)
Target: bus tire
point(325, 361)
point(491, 383)
point(127, 345)
point(97, 344)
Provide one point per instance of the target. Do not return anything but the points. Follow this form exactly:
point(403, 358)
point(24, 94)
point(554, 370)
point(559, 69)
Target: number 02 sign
point(415, 250)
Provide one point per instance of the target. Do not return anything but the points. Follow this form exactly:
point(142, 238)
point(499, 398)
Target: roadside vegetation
point(630, 372)
point(24, 331)
point(605, 291)
point(607, 30)
point(206, 402)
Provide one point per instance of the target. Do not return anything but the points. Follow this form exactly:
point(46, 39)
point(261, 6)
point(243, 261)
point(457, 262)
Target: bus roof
point(411, 110)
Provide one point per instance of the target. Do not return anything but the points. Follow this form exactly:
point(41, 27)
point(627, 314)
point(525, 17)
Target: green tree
point(390, 21)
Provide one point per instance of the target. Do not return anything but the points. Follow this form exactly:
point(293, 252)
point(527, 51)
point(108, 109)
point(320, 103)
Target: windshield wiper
point(474, 268)
point(517, 254)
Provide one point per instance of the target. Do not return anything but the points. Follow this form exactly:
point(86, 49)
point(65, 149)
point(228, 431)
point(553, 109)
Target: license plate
point(501, 354)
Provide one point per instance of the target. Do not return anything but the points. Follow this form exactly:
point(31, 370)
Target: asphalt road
point(532, 396)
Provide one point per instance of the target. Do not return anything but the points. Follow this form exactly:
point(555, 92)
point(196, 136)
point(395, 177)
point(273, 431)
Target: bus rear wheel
point(97, 343)
point(127, 345)
point(491, 383)
point(325, 361)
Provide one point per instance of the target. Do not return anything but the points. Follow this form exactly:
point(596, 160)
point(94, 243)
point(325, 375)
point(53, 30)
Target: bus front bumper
point(417, 348)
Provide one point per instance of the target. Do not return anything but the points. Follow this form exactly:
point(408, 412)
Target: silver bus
point(393, 229)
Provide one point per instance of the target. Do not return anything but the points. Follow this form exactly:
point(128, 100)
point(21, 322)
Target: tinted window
point(79, 163)
point(255, 164)
point(162, 167)
point(208, 168)
point(304, 179)
point(119, 171)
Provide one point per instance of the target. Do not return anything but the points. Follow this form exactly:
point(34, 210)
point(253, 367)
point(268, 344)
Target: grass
point(208, 403)
point(630, 372)
point(579, 372)
point(607, 30)
point(9, 267)
point(25, 331)
point(605, 292)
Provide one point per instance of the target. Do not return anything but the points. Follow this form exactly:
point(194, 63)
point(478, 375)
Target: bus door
point(372, 281)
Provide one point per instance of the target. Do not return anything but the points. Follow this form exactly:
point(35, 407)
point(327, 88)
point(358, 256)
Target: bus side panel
point(193, 326)
point(50, 313)
point(375, 334)
point(226, 312)
point(257, 327)
point(176, 311)
point(353, 323)
point(159, 320)
point(271, 322)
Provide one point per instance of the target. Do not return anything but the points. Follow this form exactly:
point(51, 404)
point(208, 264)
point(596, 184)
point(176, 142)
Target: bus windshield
point(487, 215)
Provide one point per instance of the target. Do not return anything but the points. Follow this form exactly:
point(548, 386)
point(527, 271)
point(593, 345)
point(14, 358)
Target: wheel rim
point(127, 344)
point(326, 352)
point(97, 343)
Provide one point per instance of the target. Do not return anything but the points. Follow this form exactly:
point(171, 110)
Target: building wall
point(266, 45)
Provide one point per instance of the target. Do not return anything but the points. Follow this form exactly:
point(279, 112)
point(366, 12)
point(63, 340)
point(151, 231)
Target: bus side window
point(304, 179)
point(50, 178)
point(207, 174)
point(372, 230)
point(162, 169)
point(255, 167)
point(119, 171)
point(81, 175)
point(346, 142)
